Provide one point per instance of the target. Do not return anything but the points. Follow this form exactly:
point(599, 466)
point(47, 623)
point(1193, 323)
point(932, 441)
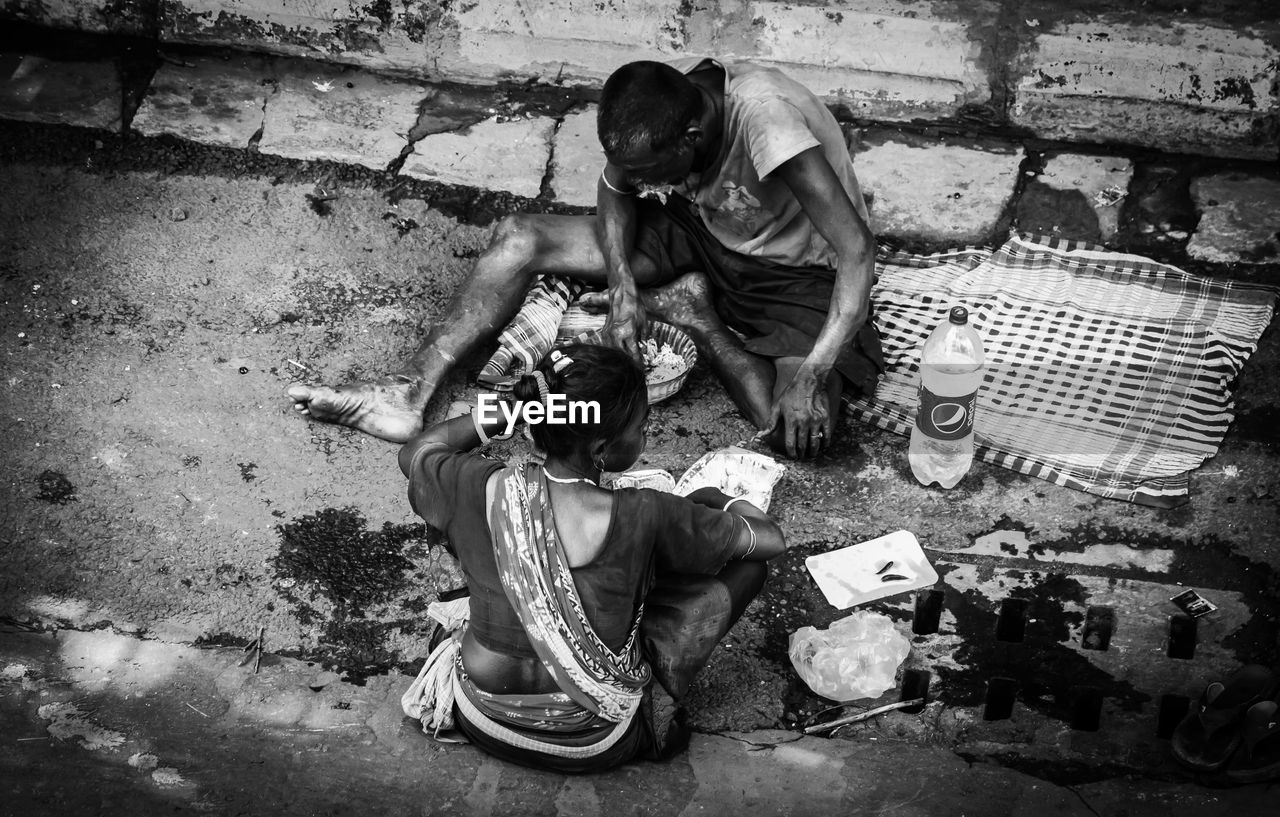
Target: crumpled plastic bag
point(856, 657)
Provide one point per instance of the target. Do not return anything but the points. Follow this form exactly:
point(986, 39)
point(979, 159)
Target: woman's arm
point(759, 539)
point(459, 433)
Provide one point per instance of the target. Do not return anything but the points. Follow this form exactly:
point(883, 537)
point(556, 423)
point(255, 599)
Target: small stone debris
point(323, 680)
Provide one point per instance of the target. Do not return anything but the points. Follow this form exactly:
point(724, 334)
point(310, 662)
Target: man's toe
point(299, 393)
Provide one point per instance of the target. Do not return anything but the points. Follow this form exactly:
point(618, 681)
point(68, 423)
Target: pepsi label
point(945, 418)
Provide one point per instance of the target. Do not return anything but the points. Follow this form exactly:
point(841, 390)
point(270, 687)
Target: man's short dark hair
point(646, 105)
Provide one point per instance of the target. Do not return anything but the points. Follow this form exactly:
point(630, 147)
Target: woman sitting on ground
point(590, 610)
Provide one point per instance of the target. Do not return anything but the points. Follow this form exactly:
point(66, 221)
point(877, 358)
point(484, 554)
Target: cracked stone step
point(935, 191)
point(1180, 86)
point(208, 100)
point(85, 94)
point(933, 68)
point(562, 41)
point(496, 154)
point(377, 36)
point(1240, 218)
point(327, 112)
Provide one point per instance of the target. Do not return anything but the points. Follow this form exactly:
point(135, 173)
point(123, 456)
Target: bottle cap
point(958, 314)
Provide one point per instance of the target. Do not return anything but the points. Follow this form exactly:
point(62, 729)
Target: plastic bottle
point(950, 373)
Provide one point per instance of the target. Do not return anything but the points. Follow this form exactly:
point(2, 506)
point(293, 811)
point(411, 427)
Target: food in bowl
point(661, 361)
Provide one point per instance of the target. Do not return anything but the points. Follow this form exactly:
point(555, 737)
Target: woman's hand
point(709, 496)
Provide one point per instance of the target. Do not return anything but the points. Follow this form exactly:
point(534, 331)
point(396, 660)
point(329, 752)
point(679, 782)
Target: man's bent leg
point(392, 407)
point(686, 303)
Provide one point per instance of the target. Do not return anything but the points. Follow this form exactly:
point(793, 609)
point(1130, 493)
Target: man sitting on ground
point(727, 202)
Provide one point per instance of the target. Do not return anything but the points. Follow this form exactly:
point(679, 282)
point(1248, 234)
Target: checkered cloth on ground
point(1106, 372)
point(532, 332)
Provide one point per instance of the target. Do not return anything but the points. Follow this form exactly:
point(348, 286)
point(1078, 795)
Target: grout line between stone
point(545, 191)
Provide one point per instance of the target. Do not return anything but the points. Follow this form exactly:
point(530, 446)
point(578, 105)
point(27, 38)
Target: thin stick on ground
point(862, 716)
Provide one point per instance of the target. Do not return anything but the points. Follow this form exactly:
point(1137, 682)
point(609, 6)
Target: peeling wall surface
point(1086, 71)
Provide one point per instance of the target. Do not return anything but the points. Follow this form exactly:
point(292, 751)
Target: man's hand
point(626, 322)
point(803, 414)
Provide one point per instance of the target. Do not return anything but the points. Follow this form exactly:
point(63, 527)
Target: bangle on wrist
point(731, 501)
point(751, 548)
point(485, 439)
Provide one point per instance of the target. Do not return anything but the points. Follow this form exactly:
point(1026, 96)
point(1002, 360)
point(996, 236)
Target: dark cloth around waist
point(779, 309)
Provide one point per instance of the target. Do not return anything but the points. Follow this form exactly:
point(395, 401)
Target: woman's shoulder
point(651, 499)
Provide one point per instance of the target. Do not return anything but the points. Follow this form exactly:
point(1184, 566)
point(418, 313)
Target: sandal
point(1259, 760)
point(1207, 737)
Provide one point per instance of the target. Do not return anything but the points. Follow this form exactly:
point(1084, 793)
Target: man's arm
point(616, 213)
point(802, 406)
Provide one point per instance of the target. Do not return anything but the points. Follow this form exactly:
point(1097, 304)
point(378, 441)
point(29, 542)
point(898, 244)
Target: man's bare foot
point(685, 302)
point(389, 408)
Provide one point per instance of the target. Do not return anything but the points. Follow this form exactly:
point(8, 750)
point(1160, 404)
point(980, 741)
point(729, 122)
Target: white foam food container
point(855, 575)
point(654, 478)
point(736, 471)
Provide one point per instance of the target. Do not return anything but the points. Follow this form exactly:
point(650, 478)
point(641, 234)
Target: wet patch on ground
point(1261, 424)
point(1024, 640)
point(55, 488)
point(340, 577)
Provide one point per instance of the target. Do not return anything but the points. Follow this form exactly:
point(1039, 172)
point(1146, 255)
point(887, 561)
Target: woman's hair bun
point(526, 389)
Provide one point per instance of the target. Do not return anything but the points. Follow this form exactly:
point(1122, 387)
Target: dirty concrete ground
point(158, 489)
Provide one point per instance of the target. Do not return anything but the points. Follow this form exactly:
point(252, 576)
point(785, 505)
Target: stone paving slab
point(1075, 196)
point(936, 191)
point(1116, 82)
point(1240, 218)
point(577, 159)
point(340, 114)
point(494, 154)
point(208, 100)
point(1103, 180)
point(84, 94)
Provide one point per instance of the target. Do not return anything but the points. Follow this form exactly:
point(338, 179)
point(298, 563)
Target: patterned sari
point(535, 573)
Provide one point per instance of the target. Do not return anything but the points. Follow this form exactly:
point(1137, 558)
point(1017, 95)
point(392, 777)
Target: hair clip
point(543, 388)
point(559, 360)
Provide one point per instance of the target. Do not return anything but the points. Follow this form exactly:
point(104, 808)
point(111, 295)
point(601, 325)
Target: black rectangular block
point(915, 684)
point(1182, 636)
point(928, 612)
point(1001, 694)
point(1099, 624)
point(1086, 708)
point(1012, 624)
point(1173, 708)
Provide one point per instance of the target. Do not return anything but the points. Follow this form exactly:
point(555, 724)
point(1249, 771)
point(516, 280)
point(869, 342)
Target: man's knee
point(515, 240)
